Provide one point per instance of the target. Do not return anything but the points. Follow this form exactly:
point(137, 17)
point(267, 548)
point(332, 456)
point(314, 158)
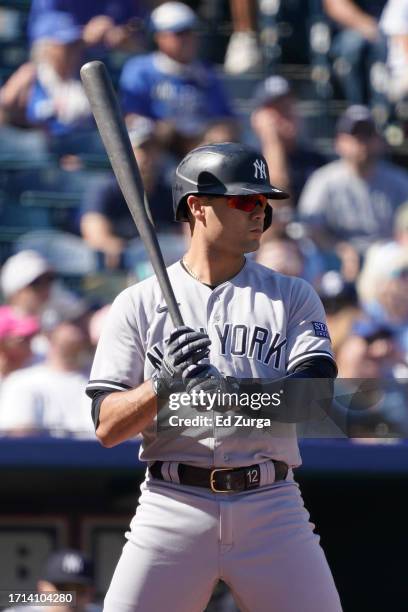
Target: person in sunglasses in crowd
point(219, 500)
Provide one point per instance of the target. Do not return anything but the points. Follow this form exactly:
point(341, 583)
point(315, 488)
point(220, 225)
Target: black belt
point(221, 480)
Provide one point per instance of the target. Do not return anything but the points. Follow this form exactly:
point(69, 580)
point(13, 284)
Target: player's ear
point(196, 208)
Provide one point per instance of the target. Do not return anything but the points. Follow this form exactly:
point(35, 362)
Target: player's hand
point(184, 348)
point(204, 377)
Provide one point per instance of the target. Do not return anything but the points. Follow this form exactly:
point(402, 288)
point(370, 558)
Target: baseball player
point(218, 502)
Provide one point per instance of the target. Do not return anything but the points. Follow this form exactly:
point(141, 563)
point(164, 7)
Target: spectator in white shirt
point(50, 397)
point(351, 203)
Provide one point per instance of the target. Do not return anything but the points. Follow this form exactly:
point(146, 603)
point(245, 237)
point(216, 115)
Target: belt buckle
point(212, 480)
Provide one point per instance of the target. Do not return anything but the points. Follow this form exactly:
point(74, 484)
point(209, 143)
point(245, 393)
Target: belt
point(221, 480)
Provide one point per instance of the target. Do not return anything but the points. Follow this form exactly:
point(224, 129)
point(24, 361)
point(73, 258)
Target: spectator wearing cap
point(359, 49)
point(50, 397)
point(57, 100)
point(106, 223)
point(104, 23)
point(351, 203)
point(100, 24)
point(26, 280)
point(16, 333)
point(276, 123)
point(369, 401)
point(67, 570)
point(28, 284)
point(171, 86)
point(383, 288)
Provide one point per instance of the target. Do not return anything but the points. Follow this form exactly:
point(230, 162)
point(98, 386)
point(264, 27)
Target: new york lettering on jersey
point(238, 340)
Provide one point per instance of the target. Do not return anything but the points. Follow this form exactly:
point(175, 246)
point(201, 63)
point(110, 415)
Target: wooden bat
point(111, 125)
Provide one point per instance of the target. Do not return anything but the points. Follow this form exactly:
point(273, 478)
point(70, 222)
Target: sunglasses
point(247, 203)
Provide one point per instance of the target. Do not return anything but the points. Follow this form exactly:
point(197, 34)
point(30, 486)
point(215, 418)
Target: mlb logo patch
point(320, 329)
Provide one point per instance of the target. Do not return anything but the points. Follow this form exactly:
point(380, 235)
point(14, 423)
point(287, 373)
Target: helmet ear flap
point(181, 210)
point(268, 217)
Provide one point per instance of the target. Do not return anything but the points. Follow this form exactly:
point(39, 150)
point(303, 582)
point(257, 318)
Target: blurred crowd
point(68, 243)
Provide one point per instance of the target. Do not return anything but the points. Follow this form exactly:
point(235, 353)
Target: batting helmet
point(226, 168)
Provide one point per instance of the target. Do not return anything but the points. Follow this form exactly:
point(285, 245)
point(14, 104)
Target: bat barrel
point(108, 116)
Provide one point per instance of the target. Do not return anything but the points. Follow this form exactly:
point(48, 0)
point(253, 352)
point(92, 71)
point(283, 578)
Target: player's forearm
point(125, 414)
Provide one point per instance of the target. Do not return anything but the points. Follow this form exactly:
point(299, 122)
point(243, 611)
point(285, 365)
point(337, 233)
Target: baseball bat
point(111, 125)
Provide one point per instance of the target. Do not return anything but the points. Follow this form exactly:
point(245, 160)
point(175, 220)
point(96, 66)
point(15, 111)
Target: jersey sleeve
point(119, 359)
point(307, 333)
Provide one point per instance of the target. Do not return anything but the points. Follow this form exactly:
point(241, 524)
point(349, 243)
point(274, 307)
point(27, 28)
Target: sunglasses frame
point(247, 203)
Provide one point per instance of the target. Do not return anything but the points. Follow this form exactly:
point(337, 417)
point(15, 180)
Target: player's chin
point(253, 242)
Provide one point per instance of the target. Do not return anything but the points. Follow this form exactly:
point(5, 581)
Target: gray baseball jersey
point(261, 325)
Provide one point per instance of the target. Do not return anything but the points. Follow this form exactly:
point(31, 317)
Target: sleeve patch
point(320, 330)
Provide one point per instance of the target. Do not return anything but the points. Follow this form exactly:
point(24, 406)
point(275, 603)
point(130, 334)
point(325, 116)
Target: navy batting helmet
point(223, 169)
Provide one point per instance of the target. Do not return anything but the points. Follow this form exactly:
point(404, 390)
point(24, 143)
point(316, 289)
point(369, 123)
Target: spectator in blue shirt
point(107, 23)
point(57, 101)
point(170, 85)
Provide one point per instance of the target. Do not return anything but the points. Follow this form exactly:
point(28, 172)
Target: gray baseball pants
point(182, 540)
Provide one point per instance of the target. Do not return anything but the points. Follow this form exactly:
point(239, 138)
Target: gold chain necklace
point(194, 275)
point(190, 271)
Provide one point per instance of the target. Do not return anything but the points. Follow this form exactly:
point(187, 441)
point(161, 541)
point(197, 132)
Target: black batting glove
point(184, 348)
point(206, 378)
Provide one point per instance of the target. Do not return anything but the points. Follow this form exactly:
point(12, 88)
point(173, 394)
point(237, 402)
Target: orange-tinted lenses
point(247, 203)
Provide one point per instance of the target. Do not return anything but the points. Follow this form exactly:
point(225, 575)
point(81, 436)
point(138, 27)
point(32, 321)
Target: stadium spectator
point(57, 101)
point(351, 203)
point(66, 570)
point(220, 131)
point(26, 280)
point(394, 24)
point(383, 288)
point(105, 23)
point(16, 333)
point(277, 125)
point(171, 86)
point(359, 49)
point(369, 399)
point(106, 223)
point(29, 286)
point(282, 254)
point(50, 397)
point(295, 255)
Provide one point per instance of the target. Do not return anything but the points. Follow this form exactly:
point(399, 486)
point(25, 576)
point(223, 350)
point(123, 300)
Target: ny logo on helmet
point(260, 169)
